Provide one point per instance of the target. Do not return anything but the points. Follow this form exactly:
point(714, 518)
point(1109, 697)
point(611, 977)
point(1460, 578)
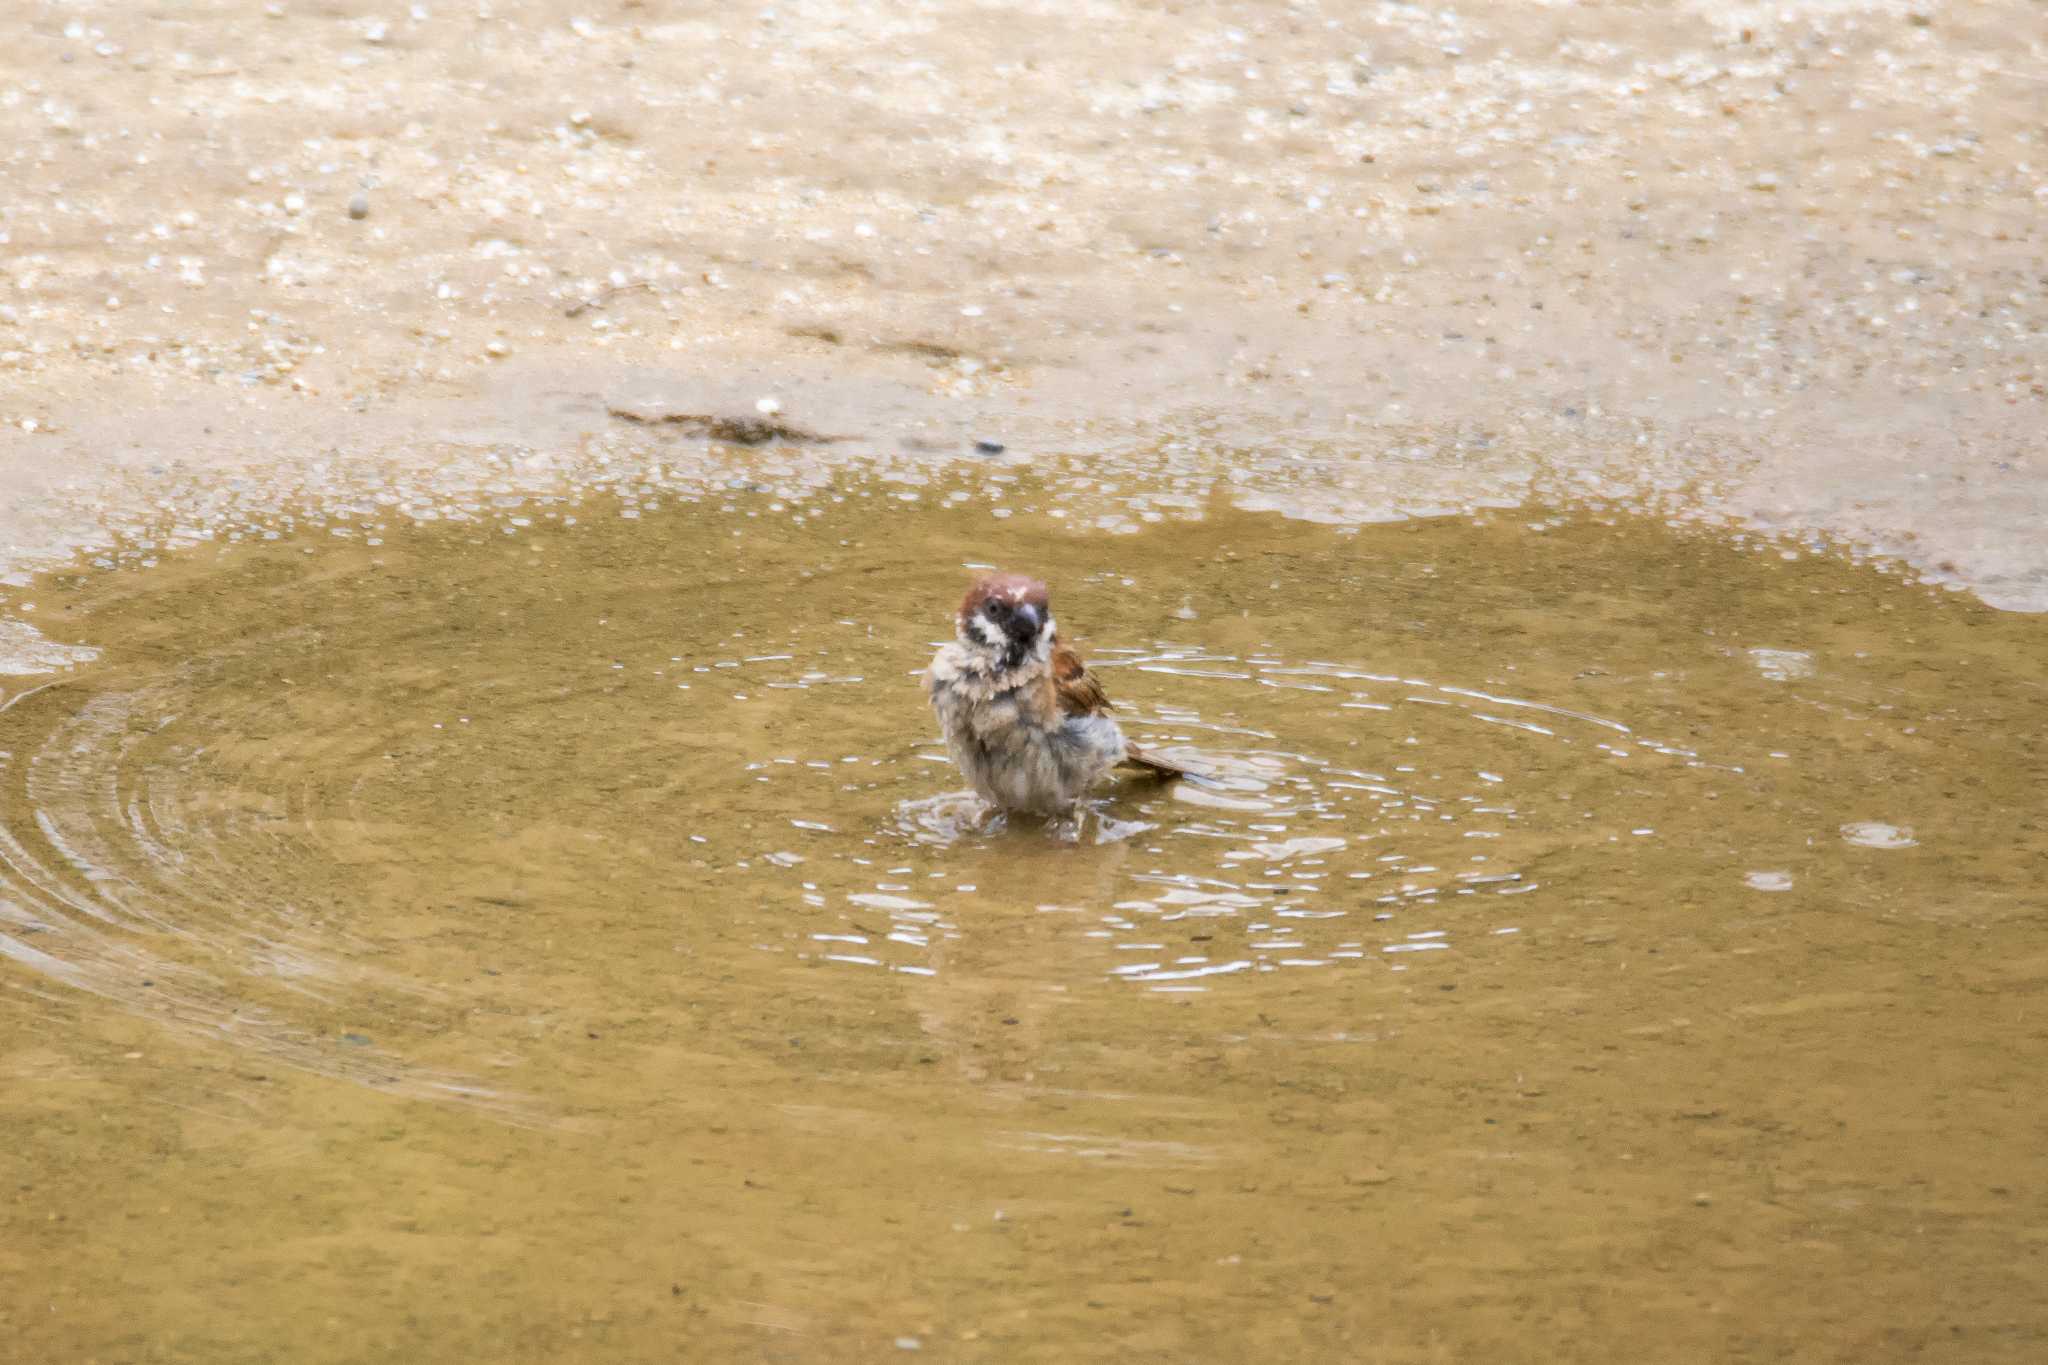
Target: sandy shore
point(1782, 260)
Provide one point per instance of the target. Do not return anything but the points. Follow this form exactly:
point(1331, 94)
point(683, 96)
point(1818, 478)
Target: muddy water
point(557, 934)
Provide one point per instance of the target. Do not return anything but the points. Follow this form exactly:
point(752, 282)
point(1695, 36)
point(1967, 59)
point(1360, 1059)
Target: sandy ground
point(1785, 259)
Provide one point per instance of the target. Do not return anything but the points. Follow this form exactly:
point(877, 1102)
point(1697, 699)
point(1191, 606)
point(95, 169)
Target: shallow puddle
point(568, 914)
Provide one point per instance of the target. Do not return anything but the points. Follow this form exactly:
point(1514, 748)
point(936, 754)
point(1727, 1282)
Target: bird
point(1024, 719)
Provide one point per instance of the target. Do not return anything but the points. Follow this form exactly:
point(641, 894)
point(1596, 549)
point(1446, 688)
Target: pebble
point(988, 447)
point(359, 206)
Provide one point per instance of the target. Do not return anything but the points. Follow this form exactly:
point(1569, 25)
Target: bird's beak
point(1029, 615)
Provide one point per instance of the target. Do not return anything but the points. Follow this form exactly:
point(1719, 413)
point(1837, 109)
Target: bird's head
point(1007, 615)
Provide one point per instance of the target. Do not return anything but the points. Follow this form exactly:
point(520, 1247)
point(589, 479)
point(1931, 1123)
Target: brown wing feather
point(1081, 694)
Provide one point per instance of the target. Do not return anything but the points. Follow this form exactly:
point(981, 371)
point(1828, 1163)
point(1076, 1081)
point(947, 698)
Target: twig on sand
point(600, 300)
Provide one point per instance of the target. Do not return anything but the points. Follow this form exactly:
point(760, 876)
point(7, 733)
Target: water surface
point(558, 930)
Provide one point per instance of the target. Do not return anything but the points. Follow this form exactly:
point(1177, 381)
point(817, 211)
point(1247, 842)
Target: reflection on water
point(568, 820)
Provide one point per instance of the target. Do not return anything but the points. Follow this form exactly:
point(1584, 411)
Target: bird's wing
point(1080, 692)
point(1134, 757)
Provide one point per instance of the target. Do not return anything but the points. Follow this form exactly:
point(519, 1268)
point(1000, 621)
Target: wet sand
point(1783, 258)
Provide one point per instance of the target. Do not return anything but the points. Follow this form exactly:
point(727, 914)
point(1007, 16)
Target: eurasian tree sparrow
point(1024, 718)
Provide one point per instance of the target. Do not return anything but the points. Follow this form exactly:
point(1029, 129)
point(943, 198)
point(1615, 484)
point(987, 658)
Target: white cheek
point(985, 630)
point(1042, 648)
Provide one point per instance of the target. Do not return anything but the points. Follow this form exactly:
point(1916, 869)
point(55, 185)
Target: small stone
point(497, 350)
point(1765, 182)
point(988, 447)
point(1702, 1200)
point(359, 206)
point(767, 407)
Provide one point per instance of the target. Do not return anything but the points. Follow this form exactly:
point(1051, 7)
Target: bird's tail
point(1152, 764)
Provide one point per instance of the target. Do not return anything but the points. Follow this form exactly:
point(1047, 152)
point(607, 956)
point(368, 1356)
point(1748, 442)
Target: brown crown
point(1014, 587)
